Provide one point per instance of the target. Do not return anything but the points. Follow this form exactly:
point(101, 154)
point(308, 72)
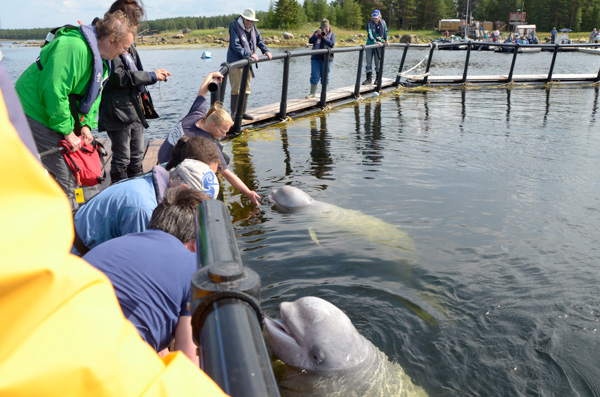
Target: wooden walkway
point(150, 157)
point(503, 79)
point(271, 112)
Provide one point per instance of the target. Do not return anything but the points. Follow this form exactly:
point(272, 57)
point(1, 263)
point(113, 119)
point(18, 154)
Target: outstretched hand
point(254, 197)
point(161, 74)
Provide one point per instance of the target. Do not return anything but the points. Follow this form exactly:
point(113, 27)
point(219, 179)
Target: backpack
point(86, 163)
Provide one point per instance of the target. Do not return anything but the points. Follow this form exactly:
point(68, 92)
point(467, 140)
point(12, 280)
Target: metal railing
point(246, 64)
point(226, 319)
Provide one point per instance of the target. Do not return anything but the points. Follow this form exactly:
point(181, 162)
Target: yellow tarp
point(62, 332)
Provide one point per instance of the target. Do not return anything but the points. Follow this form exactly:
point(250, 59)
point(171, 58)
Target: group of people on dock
point(140, 231)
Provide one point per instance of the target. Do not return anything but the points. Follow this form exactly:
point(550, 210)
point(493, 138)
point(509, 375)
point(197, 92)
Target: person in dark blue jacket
point(322, 38)
point(243, 41)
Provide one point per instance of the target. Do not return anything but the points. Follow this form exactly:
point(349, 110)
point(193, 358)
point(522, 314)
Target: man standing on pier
point(243, 41)
point(377, 32)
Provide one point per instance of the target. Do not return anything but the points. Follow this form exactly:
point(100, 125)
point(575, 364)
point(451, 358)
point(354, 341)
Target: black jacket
point(120, 107)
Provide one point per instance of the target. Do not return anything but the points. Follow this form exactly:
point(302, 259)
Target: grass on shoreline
point(273, 37)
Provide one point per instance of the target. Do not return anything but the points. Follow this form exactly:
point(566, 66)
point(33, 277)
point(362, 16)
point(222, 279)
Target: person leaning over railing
point(127, 207)
point(377, 32)
point(212, 123)
point(151, 271)
point(63, 332)
point(60, 93)
point(244, 39)
point(322, 38)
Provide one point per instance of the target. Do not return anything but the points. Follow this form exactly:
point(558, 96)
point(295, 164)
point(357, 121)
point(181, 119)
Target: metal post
point(552, 63)
point(397, 83)
point(464, 78)
point(323, 101)
point(225, 72)
point(284, 87)
point(237, 121)
point(359, 72)
point(380, 77)
point(226, 320)
point(512, 65)
point(429, 63)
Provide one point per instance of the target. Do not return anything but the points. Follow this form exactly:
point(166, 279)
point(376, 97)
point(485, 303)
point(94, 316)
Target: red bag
point(85, 163)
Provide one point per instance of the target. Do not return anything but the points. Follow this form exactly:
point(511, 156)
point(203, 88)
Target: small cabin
point(524, 30)
point(451, 25)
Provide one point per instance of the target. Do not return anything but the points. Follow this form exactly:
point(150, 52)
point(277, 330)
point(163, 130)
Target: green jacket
point(67, 68)
point(371, 32)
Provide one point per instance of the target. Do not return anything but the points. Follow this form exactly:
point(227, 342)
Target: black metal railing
point(226, 319)
point(246, 64)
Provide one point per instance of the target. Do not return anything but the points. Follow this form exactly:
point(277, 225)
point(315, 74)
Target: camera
point(323, 34)
point(213, 85)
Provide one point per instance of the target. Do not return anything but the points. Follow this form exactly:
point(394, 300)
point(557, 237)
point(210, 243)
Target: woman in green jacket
point(60, 92)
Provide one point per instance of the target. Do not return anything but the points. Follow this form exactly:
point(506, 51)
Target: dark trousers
point(128, 151)
point(370, 54)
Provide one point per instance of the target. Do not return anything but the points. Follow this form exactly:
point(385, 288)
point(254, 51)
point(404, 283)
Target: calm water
point(498, 189)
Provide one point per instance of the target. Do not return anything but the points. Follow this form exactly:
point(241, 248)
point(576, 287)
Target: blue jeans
point(317, 70)
point(370, 53)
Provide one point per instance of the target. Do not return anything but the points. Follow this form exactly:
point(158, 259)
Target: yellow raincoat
point(62, 332)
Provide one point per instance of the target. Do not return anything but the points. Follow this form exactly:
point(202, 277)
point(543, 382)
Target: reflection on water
point(497, 189)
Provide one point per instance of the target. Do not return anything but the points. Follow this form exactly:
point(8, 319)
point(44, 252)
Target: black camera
point(323, 34)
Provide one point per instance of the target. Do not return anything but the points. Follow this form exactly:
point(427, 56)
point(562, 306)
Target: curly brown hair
point(115, 26)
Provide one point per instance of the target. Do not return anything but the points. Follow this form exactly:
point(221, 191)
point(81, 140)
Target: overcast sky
point(21, 14)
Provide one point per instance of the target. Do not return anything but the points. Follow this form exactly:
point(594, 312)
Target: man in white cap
point(244, 39)
point(377, 32)
point(126, 207)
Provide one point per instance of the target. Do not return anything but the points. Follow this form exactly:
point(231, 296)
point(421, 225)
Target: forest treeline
point(578, 15)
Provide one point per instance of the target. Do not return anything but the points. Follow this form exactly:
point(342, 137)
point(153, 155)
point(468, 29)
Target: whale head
point(290, 199)
point(315, 335)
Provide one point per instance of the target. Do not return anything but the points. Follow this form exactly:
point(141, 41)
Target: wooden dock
point(270, 113)
point(150, 157)
point(503, 79)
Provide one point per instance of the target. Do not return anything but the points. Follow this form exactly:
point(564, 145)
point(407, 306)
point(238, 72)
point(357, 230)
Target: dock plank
point(151, 154)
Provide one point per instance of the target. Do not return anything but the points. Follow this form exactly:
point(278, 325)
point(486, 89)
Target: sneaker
point(367, 82)
point(309, 96)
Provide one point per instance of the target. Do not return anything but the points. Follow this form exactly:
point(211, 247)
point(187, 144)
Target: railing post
point(380, 77)
point(512, 65)
point(464, 78)
point(224, 83)
point(214, 96)
point(397, 83)
point(239, 111)
point(324, 77)
point(359, 71)
point(429, 63)
point(284, 87)
point(552, 63)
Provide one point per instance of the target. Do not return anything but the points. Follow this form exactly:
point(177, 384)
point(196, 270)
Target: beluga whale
point(351, 227)
point(329, 357)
